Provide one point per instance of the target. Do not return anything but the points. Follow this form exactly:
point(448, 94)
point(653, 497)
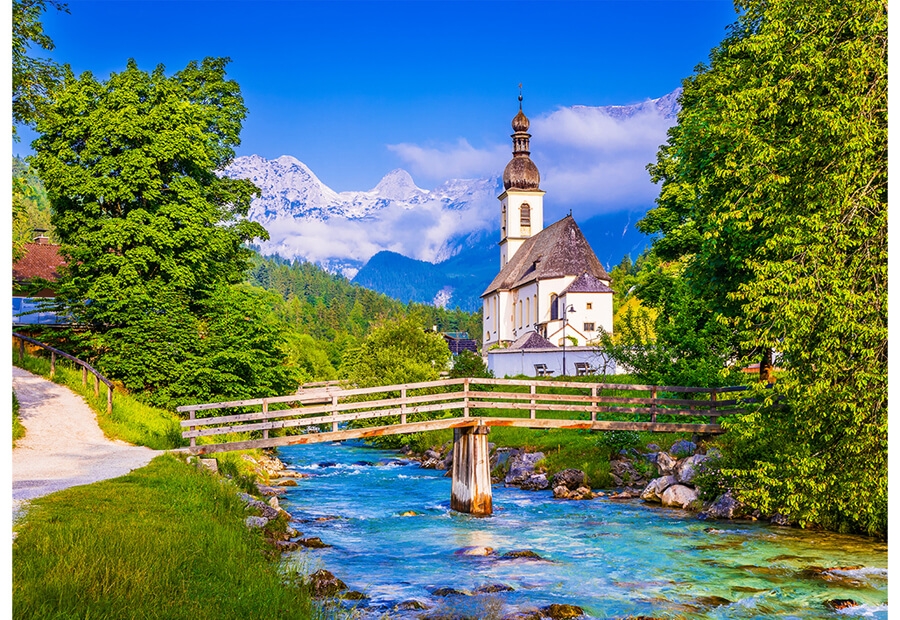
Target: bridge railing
point(85, 367)
point(531, 403)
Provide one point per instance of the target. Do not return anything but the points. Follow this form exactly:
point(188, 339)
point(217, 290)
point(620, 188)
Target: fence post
point(593, 403)
point(192, 428)
point(653, 404)
point(403, 405)
point(52, 363)
point(83, 375)
point(466, 398)
point(21, 350)
point(334, 403)
point(265, 410)
point(109, 392)
point(712, 399)
point(533, 391)
point(96, 387)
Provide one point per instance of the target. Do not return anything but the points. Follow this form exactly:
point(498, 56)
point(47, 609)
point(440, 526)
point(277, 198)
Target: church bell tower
point(522, 202)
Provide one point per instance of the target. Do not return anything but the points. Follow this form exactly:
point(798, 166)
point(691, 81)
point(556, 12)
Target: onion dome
point(520, 172)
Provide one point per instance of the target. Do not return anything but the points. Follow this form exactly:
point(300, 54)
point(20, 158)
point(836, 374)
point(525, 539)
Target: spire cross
point(520, 96)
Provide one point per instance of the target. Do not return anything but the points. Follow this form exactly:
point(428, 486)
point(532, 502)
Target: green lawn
point(166, 541)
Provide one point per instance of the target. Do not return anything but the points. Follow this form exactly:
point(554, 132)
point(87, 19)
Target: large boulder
point(562, 611)
point(654, 490)
point(688, 468)
point(521, 466)
point(624, 473)
point(536, 482)
point(725, 507)
point(682, 448)
point(569, 478)
point(665, 464)
point(679, 495)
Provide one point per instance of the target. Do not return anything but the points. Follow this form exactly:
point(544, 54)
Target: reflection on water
point(614, 559)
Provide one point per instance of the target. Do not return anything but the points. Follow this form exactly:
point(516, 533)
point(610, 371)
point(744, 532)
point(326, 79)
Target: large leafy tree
point(151, 232)
point(32, 78)
point(774, 198)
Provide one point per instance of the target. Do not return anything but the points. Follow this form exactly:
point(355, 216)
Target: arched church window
point(528, 311)
point(525, 215)
point(520, 314)
point(554, 307)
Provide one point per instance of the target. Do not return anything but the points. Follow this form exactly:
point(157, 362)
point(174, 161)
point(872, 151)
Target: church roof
point(531, 340)
point(586, 283)
point(40, 260)
point(557, 251)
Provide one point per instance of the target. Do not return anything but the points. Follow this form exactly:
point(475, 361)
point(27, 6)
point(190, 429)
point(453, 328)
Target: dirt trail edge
point(63, 445)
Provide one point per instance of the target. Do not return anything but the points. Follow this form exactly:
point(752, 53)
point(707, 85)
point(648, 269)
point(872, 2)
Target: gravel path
point(63, 446)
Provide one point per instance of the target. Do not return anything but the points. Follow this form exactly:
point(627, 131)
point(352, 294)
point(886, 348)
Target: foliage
point(32, 78)
point(399, 351)
point(131, 420)
point(154, 238)
point(468, 364)
point(18, 431)
point(31, 207)
point(774, 202)
point(165, 541)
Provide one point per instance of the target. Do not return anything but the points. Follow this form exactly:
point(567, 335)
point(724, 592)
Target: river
point(613, 558)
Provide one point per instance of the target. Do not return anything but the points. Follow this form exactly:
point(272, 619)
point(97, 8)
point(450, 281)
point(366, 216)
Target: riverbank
point(166, 541)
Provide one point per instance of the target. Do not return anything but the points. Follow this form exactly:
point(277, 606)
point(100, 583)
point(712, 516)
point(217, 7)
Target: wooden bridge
point(326, 413)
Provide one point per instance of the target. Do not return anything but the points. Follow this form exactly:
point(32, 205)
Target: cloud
point(452, 161)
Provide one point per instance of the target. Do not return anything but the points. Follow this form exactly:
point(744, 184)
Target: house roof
point(557, 251)
point(531, 340)
point(41, 260)
point(586, 283)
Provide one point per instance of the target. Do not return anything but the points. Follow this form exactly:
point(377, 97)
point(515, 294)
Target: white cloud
point(452, 161)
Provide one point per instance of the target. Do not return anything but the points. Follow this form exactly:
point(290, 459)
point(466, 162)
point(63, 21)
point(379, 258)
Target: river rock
point(287, 482)
point(313, 542)
point(522, 554)
point(682, 448)
point(475, 551)
point(444, 592)
point(432, 454)
point(521, 466)
point(535, 482)
point(560, 611)
point(725, 507)
point(287, 545)
point(569, 478)
point(562, 492)
point(410, 605)
point(324, 584)
point(837, 604)
point(264, 509)
point(493, 588)
point(524, 614)
point(780, 520)
point(665, 464)
point(623, 473)
point(688, 468)
point(269, 491)
point(679, 495)
point(654, 490)
point(254, 522)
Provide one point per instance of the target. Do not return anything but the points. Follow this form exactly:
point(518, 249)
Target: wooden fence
point(324, 412)
point(85, 367)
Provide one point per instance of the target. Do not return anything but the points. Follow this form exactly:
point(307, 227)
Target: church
point(552, 295)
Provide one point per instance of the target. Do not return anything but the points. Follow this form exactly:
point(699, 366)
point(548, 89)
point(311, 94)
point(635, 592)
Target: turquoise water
point(612, 558)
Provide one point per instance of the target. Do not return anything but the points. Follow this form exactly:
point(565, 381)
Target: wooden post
point(471, 487)
point(52, 364)
point(593, 403)
point(712, 407)
point(403, 405)
point(83, 375)
point(109, 391)
point(466, 398)
point(96, 387)
point(533, 392)
point(653, 405)
point(265, 410)
point(334, 404)
point(193, 439)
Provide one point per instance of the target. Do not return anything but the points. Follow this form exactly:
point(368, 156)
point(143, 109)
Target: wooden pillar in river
point(471, 491)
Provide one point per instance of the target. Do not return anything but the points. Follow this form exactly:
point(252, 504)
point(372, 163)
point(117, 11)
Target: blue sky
point(356, 89)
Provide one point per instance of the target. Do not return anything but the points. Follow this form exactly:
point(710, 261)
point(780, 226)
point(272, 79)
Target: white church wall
point(512, 362)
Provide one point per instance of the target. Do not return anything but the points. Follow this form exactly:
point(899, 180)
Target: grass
point(165, 541)
point(131, 420)
point(18, 431)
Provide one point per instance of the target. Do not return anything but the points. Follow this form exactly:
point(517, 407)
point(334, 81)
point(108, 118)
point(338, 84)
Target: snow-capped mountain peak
point(398, 185)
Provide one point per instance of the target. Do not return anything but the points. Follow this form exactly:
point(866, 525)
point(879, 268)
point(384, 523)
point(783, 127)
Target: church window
point(520, 313)
point(590, 305)
point(528, 311)
point(525, 215)
point(554, 307)
point(588, 327)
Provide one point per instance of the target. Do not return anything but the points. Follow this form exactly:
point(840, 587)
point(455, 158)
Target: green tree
point(774, 197)
point(151, 233)
point(468, 364)
point(32, 78)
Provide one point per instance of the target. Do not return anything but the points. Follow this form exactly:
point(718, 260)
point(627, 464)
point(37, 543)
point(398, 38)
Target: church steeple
point(521, 204)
